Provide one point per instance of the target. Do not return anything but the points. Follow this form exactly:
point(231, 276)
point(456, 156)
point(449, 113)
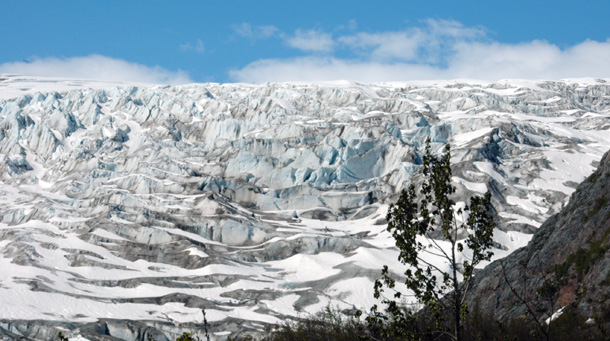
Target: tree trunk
point(456, 298)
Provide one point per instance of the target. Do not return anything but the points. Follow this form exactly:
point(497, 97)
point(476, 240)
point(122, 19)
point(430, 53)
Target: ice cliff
point(126, 209)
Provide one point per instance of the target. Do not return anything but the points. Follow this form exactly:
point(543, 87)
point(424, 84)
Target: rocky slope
point(569, 254)
point(126, 209)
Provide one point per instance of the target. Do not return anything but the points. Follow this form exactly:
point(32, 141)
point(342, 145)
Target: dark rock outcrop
point(565, 265)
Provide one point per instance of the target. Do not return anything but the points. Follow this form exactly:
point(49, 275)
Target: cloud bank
point(440, 49)
point(96, 67)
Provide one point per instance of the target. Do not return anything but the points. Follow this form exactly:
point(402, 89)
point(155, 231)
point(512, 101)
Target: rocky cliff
point(565, 267)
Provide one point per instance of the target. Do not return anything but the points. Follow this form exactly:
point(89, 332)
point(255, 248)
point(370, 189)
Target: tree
point(412, 220)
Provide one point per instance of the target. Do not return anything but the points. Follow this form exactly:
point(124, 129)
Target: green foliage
point(185, 337)
point(572, 325)
point(412, 220)
point(583, 258)
point(593, 177)
point(61, 337)
point(599, 204)
point(329, 324)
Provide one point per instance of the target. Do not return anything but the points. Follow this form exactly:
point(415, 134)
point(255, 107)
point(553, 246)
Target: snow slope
point(256, 202)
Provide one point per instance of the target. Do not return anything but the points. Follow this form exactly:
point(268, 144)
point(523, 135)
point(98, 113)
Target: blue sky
point(259, 41)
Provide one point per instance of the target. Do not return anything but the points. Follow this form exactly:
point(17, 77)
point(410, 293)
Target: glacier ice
point(256, 202)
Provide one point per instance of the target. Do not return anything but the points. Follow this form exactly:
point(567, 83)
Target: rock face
point(126, 210)
point(570, 254)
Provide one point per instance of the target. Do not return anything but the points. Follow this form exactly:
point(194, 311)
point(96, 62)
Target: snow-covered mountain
point(127, 209)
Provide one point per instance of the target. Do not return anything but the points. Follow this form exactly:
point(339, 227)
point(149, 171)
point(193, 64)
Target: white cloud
point(96, 67)
point(452, 28)
point(266, 31)
point(257, 32)
point(327, 68)
point(475, 60)
point(244, 29)
point(197, 47)
point(385, 46)
point(536, 59)
point(311, 40)
point(351, 25)
point(439, 49)
point(429, 43)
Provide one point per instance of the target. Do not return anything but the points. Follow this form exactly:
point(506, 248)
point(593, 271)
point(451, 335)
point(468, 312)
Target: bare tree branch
point(522, 300)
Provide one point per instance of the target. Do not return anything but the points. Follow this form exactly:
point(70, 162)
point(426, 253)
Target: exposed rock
point(570, 252)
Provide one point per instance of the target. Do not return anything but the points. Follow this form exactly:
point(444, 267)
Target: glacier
point(126, 209)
